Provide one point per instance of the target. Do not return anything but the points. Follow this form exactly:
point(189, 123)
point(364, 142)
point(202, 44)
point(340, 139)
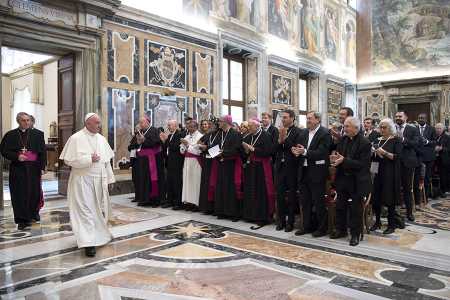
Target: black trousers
point(444, 177)
point(428, 177)
point(391, 214)
point(312, 196)
point(407, 176)
point(174, 186)
point(286, 195)
point(347, 200)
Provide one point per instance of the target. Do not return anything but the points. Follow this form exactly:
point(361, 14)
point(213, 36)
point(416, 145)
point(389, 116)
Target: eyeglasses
point(383, 127)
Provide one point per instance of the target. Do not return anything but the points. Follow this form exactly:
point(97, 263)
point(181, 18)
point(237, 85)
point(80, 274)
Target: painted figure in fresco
point(350, 38)
point(281, 90)
point(331, 33)
point(279, 22)
point(197, 7)
point(221, 8)
point(310, 28)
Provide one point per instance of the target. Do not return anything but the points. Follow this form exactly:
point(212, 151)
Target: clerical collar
point(22, 130)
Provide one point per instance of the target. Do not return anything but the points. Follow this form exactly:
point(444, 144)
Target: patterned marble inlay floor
point(193, 256)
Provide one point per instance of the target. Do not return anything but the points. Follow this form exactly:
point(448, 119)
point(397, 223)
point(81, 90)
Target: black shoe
point(155, 205)
point(37, 218)
point(399, 222)
point(411, 218)
point(90, 251)
point(187, 207)
point(301, 232)
point(177, 207)
point(375, 226)
point(23, 226)
point(319, 233)
point(134, 200)
point(279, 227)
point(195, 209)
point(235, 220)
point(354, 241)
point(338, 235)
point(166, 205)
point(143, 204)
point(389, 230)
point(288, 228)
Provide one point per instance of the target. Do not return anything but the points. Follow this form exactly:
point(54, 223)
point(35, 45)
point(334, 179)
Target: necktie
point(400, 130)
point(422, 128)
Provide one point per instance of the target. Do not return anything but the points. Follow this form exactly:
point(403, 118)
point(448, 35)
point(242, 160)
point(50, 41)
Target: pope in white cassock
point(192, 169)
point(89, 155)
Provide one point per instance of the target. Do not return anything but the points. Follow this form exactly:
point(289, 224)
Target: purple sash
point(237, 177)
point(197, 157)
point(151, 153)
point(30, 155)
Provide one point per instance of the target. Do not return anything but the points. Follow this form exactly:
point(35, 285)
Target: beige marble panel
point(65, 262)
point(192, 251)
point(351, 266)
point(124, 50)
point(405, 239)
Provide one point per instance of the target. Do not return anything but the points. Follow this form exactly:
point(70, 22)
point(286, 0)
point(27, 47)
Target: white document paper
point(214, 151)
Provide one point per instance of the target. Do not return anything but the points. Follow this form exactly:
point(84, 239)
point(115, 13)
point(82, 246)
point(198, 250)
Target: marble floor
point(164, 254)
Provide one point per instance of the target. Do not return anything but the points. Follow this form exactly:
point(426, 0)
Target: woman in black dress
point(386, 168)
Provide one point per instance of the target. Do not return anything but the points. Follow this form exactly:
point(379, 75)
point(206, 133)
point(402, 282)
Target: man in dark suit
point(353, 181)
point(369, 130)
point(344, 113)
point(267, 126)
point(428, 134)
point(312, 148)
point(443, 158)
point(409, 134)
point(286, 171)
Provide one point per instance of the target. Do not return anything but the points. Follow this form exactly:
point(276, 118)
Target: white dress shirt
point(311, 135)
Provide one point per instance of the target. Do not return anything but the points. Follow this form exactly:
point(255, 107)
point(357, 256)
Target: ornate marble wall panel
point(202, 109)
point(202, 73)
point(123, 57)
point(163, 108)
point(167, 66)
point(252, 88)
point(281, 89)
point(335, 97)
point(123, 115)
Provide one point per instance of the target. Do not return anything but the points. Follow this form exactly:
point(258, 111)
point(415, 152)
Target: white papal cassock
point(87, 192)
point(192, 170)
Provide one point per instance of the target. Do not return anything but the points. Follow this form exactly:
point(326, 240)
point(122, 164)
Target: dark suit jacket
point(444, 155)
point(373, 136)
point(411, 146)
point(317, 155)
point(355, 169)
point(290, 161)
point(174, 159)
point(429, 143)
point(274, 134)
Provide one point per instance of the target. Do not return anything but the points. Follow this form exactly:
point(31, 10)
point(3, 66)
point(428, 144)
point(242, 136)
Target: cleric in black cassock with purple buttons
point(25, 148)
point(228, 191)
point(259, 194)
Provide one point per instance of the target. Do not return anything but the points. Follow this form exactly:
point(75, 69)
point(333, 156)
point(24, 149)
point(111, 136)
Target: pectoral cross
point(24, 150)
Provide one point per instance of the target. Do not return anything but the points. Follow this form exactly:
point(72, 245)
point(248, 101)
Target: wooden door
point(66, 114)
point(414, 109)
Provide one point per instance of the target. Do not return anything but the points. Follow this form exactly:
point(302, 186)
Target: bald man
point(89, 155)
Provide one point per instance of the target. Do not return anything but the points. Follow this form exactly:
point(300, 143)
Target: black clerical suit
point(274, 134)
point(443, 162)
point(286, 168)
point(174, 165)
point(24, 176)
point(428, 155)
point(228, 193)
point(409, 160)
point(312, 176)
point(353, 182)
point(147, 190)
point(132, 149)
